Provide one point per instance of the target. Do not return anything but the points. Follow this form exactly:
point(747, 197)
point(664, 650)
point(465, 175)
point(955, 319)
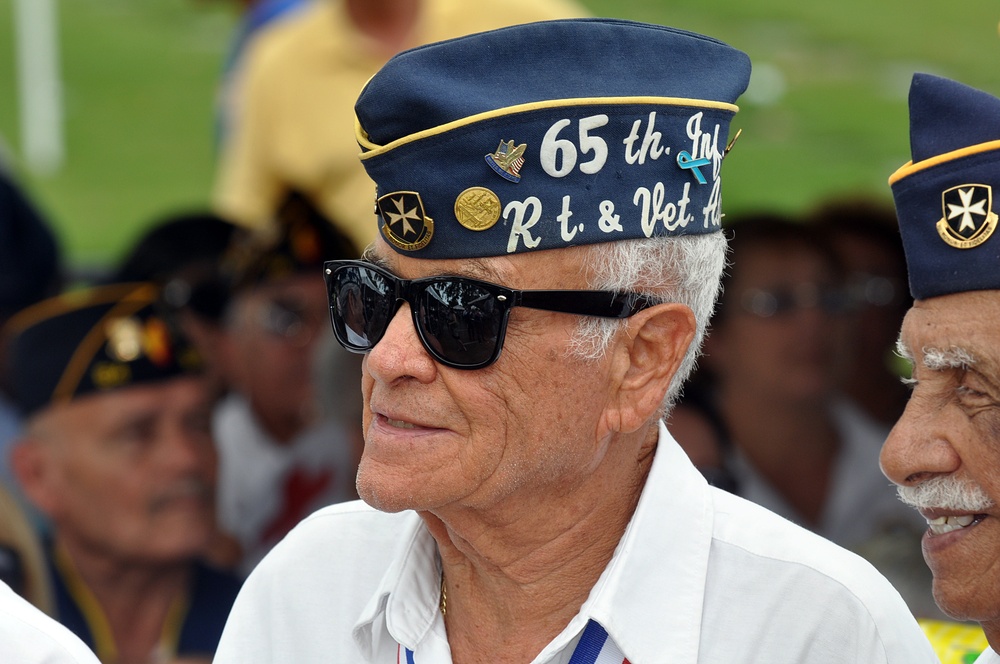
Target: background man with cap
point(282, 453)
point(118, 454)
point(944, 453)
point(529, 504)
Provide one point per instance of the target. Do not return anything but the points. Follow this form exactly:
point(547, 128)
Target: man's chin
point(959, 606)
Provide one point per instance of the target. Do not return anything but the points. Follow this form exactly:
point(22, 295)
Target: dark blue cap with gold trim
point(945, 195)
point(549, 135)
point(92, 341)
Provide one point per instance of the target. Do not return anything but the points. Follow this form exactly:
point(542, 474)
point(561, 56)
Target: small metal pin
point(732, 143)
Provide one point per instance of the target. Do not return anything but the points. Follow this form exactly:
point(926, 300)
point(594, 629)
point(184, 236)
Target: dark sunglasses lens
point(460, 322)
point(362, 306)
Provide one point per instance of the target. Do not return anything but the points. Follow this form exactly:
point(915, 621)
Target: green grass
point(140, 79)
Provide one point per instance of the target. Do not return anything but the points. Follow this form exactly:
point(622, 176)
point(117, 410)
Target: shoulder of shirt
point(346, 527)
point(315, 554)
point(312, 27)
point(454, 17)
point(763, 534)
point(308, 28)
point(27, 635)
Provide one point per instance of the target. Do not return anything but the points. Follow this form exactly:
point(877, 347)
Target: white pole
point(39, 85)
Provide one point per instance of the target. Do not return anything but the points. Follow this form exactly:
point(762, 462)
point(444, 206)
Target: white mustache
point(947, 493)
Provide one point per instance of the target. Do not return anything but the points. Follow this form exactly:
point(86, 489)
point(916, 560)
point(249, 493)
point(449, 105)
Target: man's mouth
point(400, 424)
point(946, 524)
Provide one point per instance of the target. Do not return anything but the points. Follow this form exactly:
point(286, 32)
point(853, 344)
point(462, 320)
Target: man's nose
point(920, 446)
point(400, 353)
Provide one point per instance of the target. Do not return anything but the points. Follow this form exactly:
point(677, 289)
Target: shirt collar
point(406, 601)
point(651, 593)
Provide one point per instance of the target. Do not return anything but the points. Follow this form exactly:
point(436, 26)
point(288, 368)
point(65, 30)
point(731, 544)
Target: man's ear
point(657, 340)
point(34, 469)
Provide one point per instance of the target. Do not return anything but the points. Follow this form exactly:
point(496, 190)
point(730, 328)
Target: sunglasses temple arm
point(604, 304)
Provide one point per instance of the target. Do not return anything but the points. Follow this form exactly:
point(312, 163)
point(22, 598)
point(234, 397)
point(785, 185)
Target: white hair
point(937, 359)
point(686, 269)
point(956, 357)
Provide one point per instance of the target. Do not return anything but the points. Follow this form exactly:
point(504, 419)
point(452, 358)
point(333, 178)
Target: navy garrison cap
point(92, 341)
point(549, 135)
point(944, 195)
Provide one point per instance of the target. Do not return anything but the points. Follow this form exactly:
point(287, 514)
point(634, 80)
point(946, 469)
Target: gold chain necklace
point(444, 597)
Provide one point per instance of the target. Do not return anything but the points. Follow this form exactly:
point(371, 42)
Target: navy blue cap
point(548, 135)
point(944, 195)
point(90, 341)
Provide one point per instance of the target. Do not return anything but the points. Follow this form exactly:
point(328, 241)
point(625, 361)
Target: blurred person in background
point(182, 253)
point(792, 441)
point(865, 235)
point(292, 109)
point(30, 270)
point(117, 453)
point(283, 452)
point(255, 17)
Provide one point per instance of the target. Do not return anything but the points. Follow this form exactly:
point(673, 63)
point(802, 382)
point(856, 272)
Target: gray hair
point(686, 269)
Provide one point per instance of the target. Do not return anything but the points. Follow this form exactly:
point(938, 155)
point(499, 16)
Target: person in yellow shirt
point(293, 106)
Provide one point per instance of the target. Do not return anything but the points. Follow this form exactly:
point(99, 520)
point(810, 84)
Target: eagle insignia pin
point(508, 160)
point(968, 219)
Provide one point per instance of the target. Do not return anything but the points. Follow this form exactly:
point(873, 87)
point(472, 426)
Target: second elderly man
point(548, 256)
point(944, 452)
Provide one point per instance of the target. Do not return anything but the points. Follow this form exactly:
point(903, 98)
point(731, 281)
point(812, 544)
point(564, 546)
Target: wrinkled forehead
point(960, 327)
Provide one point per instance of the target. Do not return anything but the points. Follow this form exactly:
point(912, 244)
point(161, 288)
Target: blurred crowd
point(163, 427)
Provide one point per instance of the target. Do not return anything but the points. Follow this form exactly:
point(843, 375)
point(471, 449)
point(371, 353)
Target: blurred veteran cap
point(300, 240)
point(549, 135)
point(92, 341)
point(944, 195)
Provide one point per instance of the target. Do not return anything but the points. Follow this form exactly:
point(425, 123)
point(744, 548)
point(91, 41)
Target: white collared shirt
point(700, 576)
point(28, 636)
point(988, 657)
point(861, 511)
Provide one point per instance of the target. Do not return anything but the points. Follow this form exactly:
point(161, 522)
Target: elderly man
point(118, 454)
point(529, 505)
point(943, 452)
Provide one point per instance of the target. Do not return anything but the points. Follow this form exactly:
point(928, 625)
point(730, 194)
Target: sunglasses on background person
point(777, 302)
point(288, 320)
point(460, 321)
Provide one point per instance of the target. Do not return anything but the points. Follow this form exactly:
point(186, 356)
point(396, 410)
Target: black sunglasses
point(781, 301)
point(460, 321)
